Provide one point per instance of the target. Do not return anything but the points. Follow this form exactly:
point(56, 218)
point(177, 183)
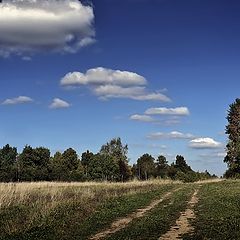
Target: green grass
point(77, 211)
point(218, 212)
point(72, 212)
point(116, 208)
point(157, 221)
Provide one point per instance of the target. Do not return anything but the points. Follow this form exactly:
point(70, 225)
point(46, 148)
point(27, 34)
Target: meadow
point(133, 210)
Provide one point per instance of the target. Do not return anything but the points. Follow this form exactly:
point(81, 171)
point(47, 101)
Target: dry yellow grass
point(11, 193)
point(38, 200)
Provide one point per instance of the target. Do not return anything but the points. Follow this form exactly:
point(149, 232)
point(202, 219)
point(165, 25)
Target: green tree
point(103, 167)
point(33, 164)
point(8, 169)
point(26, 164)
point(233, 146)
point(162, 166)
point(85, 160)
point(172, 171)
point(41, 162)
point(181, 164)
point(145, 166)
point(72, 165)
point(57, 170)
point(70, 159)
point(118, 151)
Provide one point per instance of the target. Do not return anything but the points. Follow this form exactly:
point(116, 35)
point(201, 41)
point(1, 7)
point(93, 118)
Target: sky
point(160, 74)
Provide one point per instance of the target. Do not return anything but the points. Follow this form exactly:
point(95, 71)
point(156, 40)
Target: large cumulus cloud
point(28, 26)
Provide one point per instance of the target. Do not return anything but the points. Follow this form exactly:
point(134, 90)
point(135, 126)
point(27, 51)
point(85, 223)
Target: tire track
point(183, 225)
point(123, 222)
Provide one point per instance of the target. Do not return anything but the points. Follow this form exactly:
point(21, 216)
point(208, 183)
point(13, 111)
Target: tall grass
point(27, 205)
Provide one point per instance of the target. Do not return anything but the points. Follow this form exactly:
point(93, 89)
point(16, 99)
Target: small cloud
point(148, 146)
point(17, 100)
point(204, 143)
point(213, 155)
point(171, 121)
point(179, 111)
point(221, 133)
point(158, 146)
point(59, 103)
point(171, 135)
point(153, 97)
point(142, 118)
point(26, 58)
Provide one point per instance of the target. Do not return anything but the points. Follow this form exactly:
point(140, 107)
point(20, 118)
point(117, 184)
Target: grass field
point(135, 210)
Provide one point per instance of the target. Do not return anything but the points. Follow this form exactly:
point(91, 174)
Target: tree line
point(109, 164)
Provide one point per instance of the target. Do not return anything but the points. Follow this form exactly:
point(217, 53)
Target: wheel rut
point(123, 222)
point(183, 225)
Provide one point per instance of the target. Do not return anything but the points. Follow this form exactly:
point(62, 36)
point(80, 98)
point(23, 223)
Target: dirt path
point(182, 225)
point(123, 222)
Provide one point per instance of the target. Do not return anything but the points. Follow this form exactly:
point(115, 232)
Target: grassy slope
point(158, 220)
point(218, 212)
point(67, 213)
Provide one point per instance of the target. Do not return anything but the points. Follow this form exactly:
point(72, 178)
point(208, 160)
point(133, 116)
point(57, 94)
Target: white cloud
point(153, 96)
point(148, 146)
point(179, 111)
point(17, 100)
point(213, 155)
point(26, 58)
point(204, 143)
point(34, 25)
point(111, 91)
point(141, 118)
point(59, 103)
point(103, 76)
point(171, 135)
point(108, 83)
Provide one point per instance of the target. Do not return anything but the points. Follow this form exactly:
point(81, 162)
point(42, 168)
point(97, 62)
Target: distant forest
point(109, 164)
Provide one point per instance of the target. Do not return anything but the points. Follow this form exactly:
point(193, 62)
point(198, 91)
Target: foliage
point(8, 156)
point(103, 167)
point(145, 166)
point(162, 166)
point(233, 146)
point(118, 152)
point(110, 164)
point(33, 164)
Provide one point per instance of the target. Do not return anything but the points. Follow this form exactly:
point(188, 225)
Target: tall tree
point(72, 164)
point(118, 151)
point(181, 164)
point(57, 170)
point(103, 167)
point(233, 146)
point(85, 160)
point(70, 159)
point(26, 164)
point(145, 166)
point(8, 157)
point(162, 166)
point(41, 162)
point(33, 164)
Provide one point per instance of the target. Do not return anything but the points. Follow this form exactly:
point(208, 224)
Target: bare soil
point(183, 225)
point(123, 222)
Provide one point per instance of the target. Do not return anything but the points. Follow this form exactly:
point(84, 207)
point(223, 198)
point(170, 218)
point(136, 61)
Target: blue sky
point(178, 58)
